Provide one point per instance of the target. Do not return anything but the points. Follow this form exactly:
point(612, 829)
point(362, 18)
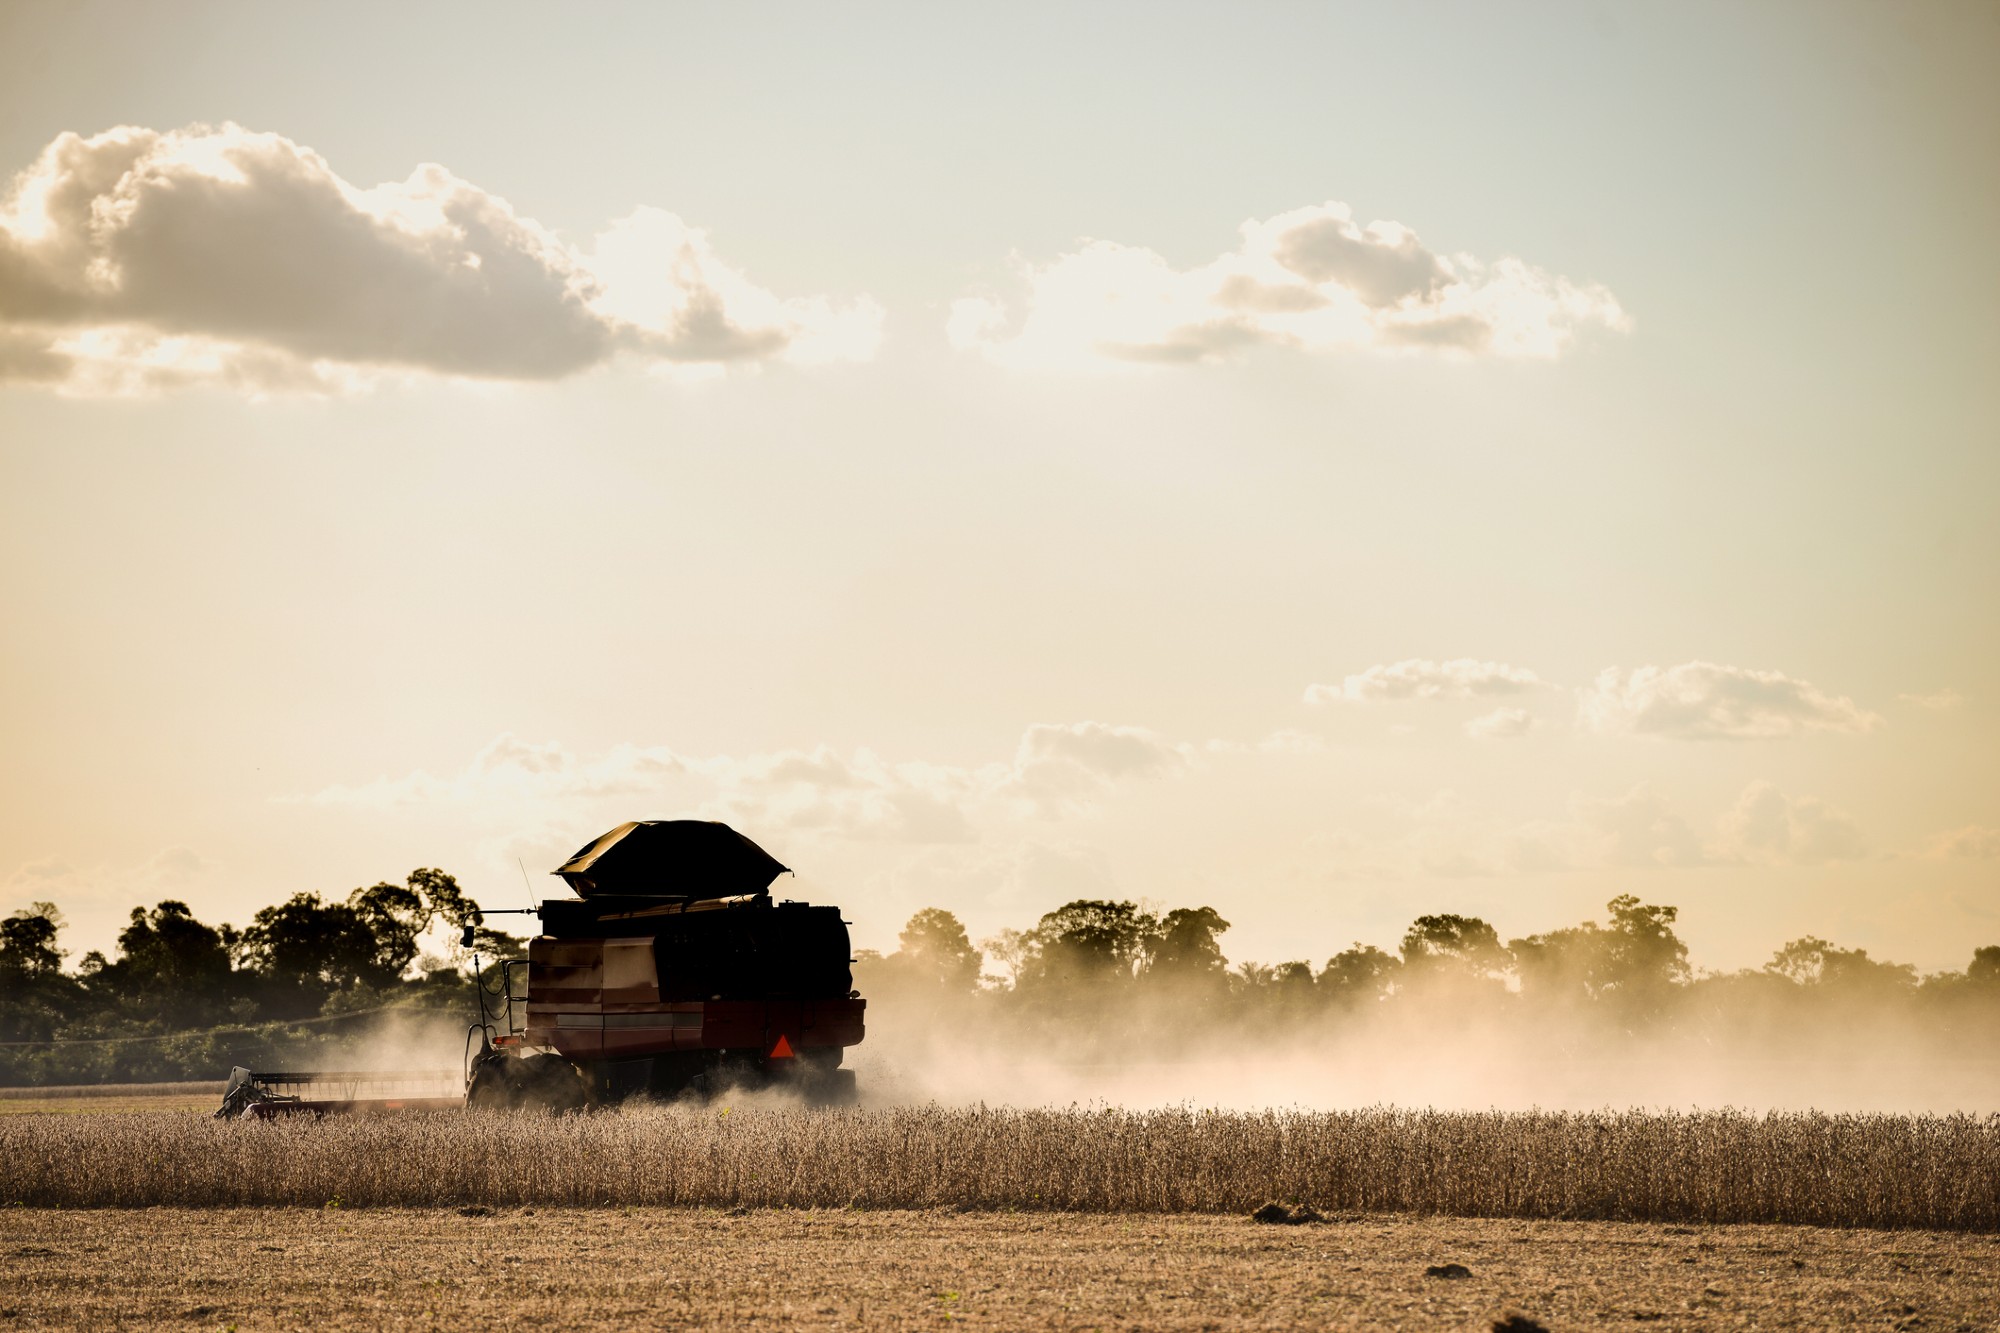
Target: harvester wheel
point(550, 1083)
point(542, 1082)
point(832, 1087)
point(496, 1086)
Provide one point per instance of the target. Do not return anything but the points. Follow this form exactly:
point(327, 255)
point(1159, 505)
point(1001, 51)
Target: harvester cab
point(670, 972)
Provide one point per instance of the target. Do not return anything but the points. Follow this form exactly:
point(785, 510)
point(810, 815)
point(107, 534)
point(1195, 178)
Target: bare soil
point(543, 1268)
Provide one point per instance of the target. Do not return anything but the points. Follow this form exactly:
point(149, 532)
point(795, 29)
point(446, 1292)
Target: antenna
point(526, 883)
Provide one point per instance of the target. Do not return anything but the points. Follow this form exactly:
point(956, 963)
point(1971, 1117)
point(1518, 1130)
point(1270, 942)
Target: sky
point(1329, 463)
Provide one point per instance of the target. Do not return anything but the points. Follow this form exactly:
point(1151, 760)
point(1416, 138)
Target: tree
point(1459, 943)
point(305, 949)
point(1985, 967)
point(1185, 946)
point(1292, 985)
point(1363, 972)
point(1645, 952)
point(935, 948)
point(35, 997)
point(398, 915)
point(1814, 962)
point(1090, 940)
point(28, 942)
point(167, 958)
point(1011, 949)
point(1634, 960)
point(1571, 963)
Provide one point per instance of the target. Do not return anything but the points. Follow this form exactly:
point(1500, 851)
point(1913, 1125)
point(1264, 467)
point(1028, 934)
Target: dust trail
point(1442, 1056)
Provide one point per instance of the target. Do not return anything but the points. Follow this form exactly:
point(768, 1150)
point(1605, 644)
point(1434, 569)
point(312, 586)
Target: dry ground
point(782, 1269)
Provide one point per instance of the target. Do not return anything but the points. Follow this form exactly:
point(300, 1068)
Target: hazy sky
point(1326, 463)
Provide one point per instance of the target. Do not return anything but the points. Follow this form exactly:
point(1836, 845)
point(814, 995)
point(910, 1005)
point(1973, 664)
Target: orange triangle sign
point(783, 1050)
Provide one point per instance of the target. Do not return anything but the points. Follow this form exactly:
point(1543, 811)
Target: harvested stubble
point(1940, 1172)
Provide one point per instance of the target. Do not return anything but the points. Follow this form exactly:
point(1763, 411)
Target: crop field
point(341, 1268)
point(758, 1215)
point(1883, 1171)
point(107, 1098)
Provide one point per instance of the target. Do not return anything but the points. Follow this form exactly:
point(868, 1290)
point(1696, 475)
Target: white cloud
point(1974, 842)
point(858, 796)
point(1311, 279)
point(1501, 724)
point(1064, 767)
point(1057, 769)
point(1290, 740)
point(1770, 827)
point(1707, 701)
point(1636, 829)
point(1938, 701)
point(140, 260)
point(1419, 678)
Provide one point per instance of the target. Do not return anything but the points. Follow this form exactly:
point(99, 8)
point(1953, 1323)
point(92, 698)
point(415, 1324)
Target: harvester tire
point(832, 1087)
point(496, 1086)
point(551, 1084)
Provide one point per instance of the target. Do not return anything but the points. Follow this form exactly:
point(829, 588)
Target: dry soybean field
point(1883, 1171)
point(756, 1216)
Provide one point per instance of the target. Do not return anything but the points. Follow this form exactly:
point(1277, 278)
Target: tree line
point(1095, 973)
point(184, 999)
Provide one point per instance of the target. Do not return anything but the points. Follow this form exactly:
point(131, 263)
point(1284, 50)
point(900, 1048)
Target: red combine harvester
point(671, 972)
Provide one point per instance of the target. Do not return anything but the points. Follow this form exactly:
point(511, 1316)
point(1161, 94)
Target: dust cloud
point(1422, 1056)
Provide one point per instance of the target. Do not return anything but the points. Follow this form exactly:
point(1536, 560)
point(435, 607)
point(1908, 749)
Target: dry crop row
point(1724, 1167)
point(95, 1091)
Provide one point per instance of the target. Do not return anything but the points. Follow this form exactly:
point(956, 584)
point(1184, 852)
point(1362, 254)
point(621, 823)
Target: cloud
point(1938, 701)
point(1063, 767)
point(139, 260)
point(1770, 827)
point(1419, 678)
point(858, 796)
point(510, 769)
point(1636, 829)
point(1974, 842)
point(1056, 770)
point(1311, 279)
point(1442, 838)
point(1706, 701)
point(1501, 724)
point(95, 900)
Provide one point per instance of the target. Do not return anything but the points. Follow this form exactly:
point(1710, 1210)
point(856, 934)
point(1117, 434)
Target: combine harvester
point(672, 972)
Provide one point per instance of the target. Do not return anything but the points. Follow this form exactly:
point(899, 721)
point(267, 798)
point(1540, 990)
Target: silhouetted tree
point(304, 950)
point(1635, 961)
point(35, 995)
point(1812, 961)
point(397, 915)
point(1363, 972)
point(1645, 953)
point(1184, 947)
point(1089, 940)
point(172, 965)
point(1462, 944)
point(935, 949)
point(28, 942)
